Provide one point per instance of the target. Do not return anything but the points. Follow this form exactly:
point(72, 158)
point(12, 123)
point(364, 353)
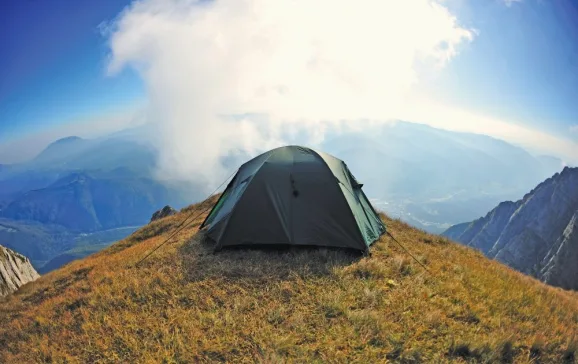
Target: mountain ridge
point(535, 234)
point(81, 202)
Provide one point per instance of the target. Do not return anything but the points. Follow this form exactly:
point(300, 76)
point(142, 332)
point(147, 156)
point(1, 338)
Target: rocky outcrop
point(537, 235)
point(560, 266)
point(15, 271)
point(164, 212)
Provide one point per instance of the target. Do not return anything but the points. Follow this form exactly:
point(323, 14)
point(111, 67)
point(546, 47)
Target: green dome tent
point(294, 196)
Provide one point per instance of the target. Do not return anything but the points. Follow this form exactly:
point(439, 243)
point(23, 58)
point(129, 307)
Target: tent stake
point(407, 251)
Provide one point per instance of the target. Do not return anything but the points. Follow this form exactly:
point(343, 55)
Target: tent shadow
point(263, 264)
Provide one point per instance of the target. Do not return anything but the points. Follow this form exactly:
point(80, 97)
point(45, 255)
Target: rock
point(537, 235)
point(162, 213)
point(15, 271)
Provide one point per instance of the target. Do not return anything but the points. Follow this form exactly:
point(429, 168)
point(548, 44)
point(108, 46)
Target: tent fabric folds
point(294, 196)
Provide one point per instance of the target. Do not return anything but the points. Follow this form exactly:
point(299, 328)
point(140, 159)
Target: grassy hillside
point(186, 304)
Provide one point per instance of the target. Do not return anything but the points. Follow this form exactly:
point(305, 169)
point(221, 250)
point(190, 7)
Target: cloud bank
point(246, 75)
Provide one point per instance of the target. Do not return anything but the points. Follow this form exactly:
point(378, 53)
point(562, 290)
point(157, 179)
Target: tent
point(294, 196)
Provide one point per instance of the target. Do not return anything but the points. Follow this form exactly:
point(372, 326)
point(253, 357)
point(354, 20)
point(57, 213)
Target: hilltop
point(186, 304)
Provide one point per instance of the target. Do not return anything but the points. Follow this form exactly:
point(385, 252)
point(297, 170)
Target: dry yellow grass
point(186, 304)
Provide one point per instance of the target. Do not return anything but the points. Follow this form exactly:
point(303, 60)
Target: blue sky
point(53, 66)
point(521, 66)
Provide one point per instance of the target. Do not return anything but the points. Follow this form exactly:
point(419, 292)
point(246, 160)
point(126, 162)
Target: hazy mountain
point(434, 178)
point(74, 153)
point(60, 150)
point(537, 235)
point(83, 202)
point(77, 186)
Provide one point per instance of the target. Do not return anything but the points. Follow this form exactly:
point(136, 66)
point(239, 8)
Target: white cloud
point(574, 128)
point(288, 68)
point(298, 62)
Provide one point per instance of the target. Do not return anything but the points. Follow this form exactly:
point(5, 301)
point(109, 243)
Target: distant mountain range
point(537, 234)
point(434, 178)
point(103, 187)
point(79, 192)
point(86, 202)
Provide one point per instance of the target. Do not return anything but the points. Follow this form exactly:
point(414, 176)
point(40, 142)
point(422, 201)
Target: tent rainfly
point(294, 196)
